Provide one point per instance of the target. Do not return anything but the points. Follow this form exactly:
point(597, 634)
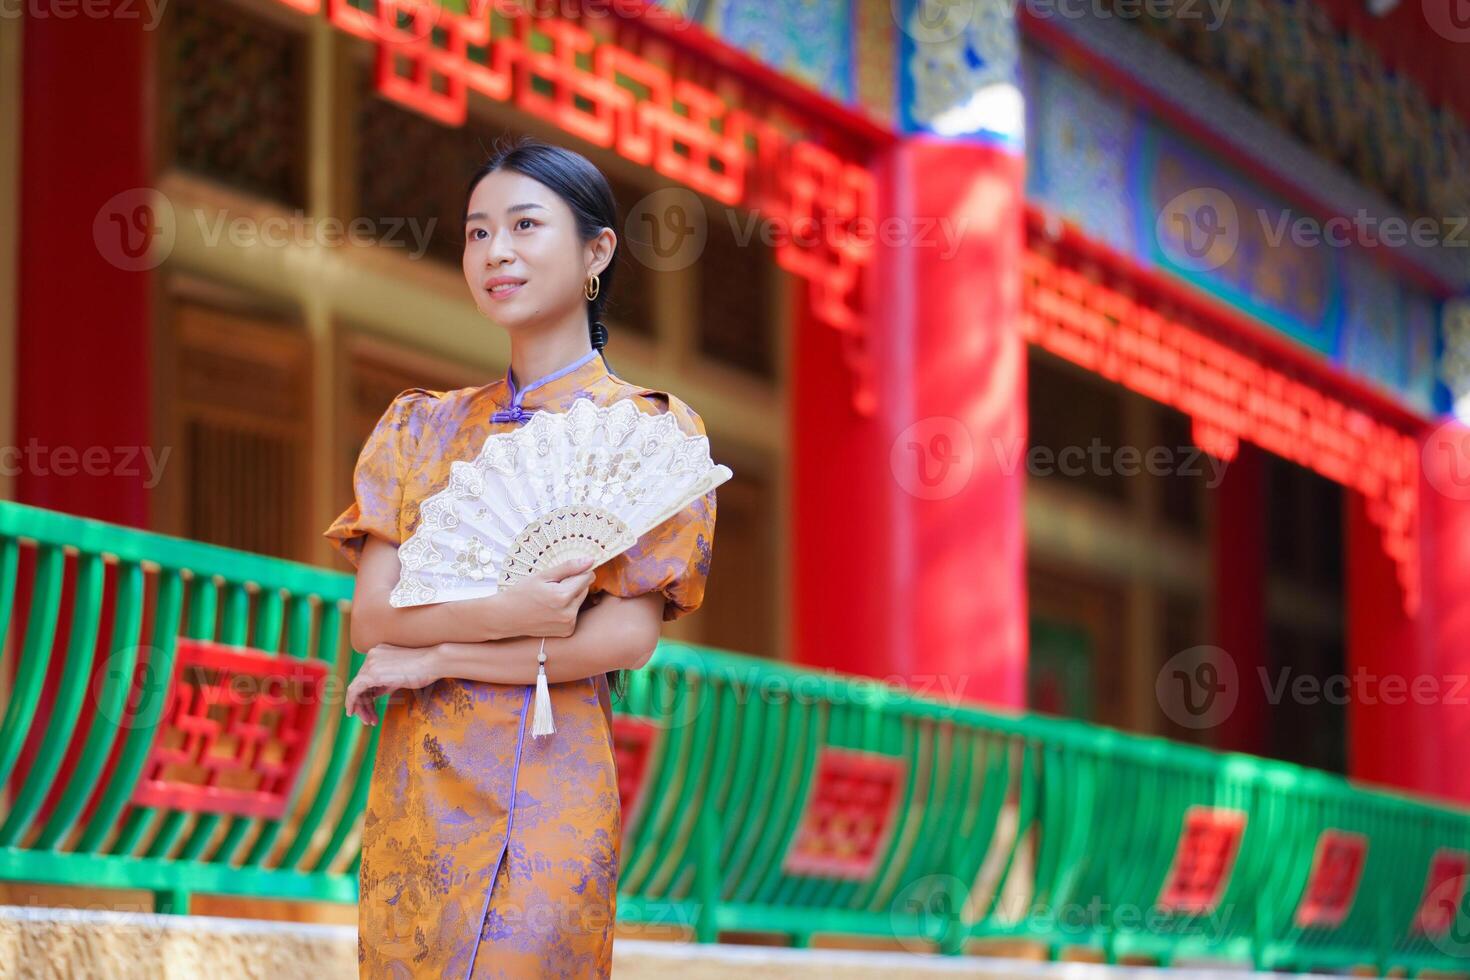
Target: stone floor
point(38, 942)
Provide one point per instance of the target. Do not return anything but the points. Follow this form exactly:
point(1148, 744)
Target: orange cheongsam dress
point(486, 852)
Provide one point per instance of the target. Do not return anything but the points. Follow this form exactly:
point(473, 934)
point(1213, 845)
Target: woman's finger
point(364, 693)
point(355, 692)
point(369, 705)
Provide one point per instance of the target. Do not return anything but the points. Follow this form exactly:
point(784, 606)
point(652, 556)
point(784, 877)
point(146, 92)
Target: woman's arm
point(615, 634)
point(544, 605)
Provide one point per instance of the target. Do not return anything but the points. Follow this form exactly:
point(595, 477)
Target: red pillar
point(1381, 641)
point(1240, 596)
point(909, 558)
point(1410, 710)
point(85, 337)
point(1444, 720)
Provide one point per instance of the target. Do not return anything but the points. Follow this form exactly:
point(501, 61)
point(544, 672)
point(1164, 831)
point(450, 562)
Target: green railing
point(939, 824)
point(159, 589)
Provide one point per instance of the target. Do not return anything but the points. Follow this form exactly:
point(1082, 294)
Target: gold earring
point(592, 287)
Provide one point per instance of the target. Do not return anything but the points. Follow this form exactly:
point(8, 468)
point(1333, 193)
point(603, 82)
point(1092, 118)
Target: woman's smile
point(501, 287)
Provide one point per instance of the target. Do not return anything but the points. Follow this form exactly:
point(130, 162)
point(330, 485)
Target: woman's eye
point(525, 221)
point(475, 233)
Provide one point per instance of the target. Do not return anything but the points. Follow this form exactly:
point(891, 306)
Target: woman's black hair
point(578, 182)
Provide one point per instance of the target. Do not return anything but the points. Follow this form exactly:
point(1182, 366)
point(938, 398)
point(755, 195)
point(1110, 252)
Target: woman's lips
point(503, 292)
point(507, 291)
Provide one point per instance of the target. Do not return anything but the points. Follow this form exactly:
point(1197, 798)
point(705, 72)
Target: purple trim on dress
point(517, 414)
point(509, 822)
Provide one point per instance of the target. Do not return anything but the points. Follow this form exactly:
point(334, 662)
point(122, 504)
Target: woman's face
point(523, 259)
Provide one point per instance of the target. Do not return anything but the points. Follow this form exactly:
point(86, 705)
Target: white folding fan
point(585, 483)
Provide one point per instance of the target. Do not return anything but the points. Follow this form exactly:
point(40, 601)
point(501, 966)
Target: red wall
point(84, 328)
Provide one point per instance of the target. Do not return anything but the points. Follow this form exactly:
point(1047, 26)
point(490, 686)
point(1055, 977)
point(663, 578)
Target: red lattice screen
point(236, 728)
point(431, 59)
point(1208, 843)
point(634, 740)
point(850, 811)
point(1337, 868)
point(1444, 892)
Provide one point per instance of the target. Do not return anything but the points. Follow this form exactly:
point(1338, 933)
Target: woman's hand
point(546, 604)
point(388, 668)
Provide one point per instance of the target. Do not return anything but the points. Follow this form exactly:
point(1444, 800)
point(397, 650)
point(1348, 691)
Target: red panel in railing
point(1332, 885)
point(1444, 890)
point(633, 743)
point(235, 731)
point(849, 814)
point(1203, 859)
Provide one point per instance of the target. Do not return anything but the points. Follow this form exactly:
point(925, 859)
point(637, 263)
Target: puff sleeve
point(673, 558)
point(382, 468)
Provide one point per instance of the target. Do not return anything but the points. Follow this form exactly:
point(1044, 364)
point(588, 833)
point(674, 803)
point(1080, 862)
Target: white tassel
point(541, 723)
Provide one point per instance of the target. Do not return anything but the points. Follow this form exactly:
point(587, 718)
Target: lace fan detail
point(586, 482)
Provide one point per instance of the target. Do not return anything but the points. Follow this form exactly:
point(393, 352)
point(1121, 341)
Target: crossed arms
point(495, 639)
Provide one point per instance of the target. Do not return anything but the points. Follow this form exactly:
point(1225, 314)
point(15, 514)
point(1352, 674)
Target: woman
point(487, 852)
